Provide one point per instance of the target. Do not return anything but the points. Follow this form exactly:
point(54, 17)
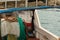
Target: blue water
point(50, 20)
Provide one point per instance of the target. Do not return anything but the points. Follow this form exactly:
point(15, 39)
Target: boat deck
point(32, 39)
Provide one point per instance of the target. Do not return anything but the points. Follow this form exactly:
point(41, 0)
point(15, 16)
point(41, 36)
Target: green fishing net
point(22, 29)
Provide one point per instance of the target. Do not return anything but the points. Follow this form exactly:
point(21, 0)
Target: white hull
point(42, 33)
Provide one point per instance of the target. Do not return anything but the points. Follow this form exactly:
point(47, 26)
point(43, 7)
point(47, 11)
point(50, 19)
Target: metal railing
point(26, 3)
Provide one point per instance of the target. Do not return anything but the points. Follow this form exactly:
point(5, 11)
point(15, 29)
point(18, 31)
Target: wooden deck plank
point(32, 39)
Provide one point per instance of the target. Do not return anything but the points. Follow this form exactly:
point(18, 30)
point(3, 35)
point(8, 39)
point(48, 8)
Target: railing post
point(55, 2)
point(36, 3)
point(26, 3)
point(16, 3)
point(46, 2)
point(5, 4)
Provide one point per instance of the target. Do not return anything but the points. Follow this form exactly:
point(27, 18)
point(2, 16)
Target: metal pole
point(46, 2)
point(5, 4)
point(16, 4)
point(26, 3)
point(36, 3)
point(55, 3)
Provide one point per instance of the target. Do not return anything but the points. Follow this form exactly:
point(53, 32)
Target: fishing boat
point(45, 23)
point(40, 27)
point(6, 4)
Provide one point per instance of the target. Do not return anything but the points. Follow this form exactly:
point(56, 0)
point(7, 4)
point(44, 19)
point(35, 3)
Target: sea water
point(50, 20)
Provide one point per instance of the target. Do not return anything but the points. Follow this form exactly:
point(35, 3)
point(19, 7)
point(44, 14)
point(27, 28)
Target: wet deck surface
point(32, 39)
